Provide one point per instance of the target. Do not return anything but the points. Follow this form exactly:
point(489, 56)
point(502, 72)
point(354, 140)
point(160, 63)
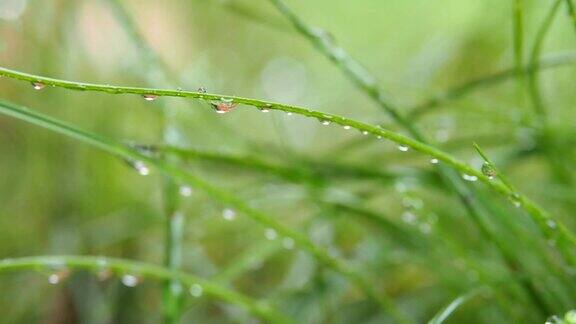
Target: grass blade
point(146, 270)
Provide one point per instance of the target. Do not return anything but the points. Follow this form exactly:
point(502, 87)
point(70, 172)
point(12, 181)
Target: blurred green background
point(58, 196)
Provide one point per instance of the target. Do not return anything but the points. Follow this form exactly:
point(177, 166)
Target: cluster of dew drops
point(59, 272)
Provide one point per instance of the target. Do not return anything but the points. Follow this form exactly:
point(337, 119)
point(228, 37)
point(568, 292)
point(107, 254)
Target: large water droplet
point(325, 122)
point(224, 105)
point(228, 214)
point(150, 97)
point(129, 280)
point(434, 161)
point(468, 177)
point(270, 234)
point(365, 133)
point(265, 109)
point(403, 148)
point(196, 290)
point(488, 170)
point(185, 191)
point(347, 127)
point(38, 85)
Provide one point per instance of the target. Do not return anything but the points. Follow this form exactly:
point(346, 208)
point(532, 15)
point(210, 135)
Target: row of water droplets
point(59, 272)
point(224, 105)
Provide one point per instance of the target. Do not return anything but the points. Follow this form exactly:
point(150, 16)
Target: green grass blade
point(145, 270)
point(447, 311)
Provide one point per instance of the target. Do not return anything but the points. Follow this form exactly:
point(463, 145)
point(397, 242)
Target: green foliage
point(450, 202)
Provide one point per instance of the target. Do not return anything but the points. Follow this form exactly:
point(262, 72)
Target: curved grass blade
point(447, 311)
point(96, 264)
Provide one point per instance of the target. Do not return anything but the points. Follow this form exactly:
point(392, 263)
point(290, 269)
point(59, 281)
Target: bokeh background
point(383, 210)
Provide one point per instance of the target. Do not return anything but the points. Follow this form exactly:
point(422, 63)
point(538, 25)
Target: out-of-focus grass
point(403, 230)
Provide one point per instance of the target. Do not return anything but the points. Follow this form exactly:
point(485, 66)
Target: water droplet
point(365, 133)
point(403, 148)
point(129, 280)
point(516, 201)
point(224, 105)
point(468, 177)
point(185, 191)
point(289, 113)
point(412, 202)
point(554, 319)
point(551, 224)
point(325, 122)
point(347, 127)
point(288, 243)
point(409, 217)
point(57, 277)
point(196, 290)
point(264, 110)
point(37, 85)
point(140, 167)
point(150, 97)
point(201, 90)
point(434, 161)
point(229, 214)
point(270, 234)
point(488, 170)
point(379, 137)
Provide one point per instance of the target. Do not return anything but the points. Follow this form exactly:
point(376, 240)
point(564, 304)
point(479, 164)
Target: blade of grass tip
point(126, 152)
point(174, 221)
point(531, 208)
point(366, 82)
point(554, 231)
point(447, 311)
point(144, 270)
